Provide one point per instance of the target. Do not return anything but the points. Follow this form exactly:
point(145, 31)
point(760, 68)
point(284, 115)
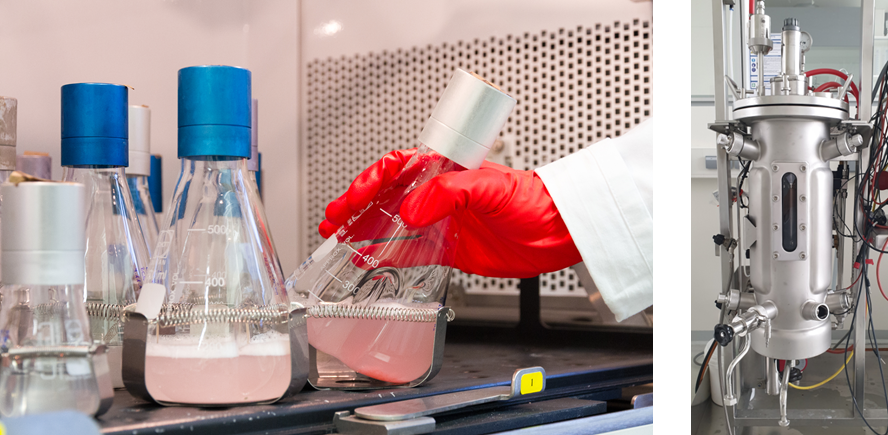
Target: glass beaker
point(374, 288)
point(222, 335)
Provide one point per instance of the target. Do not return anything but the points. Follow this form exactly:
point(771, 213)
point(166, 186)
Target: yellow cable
point(827, 379)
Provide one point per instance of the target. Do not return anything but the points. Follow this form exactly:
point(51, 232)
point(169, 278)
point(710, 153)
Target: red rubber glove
point(509, 225)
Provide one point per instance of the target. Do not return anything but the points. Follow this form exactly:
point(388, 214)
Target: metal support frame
point(723, 169)
point(754, 417)
point(865, 109)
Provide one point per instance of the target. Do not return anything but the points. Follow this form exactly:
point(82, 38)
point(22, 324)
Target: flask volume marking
point(334, 277)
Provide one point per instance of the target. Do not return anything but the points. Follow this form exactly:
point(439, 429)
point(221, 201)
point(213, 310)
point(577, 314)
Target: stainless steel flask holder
point(135, 341)
point(328, 373)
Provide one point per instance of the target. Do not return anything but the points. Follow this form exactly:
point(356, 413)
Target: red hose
point(839, 74)
point(751, 7)
point(830, 85)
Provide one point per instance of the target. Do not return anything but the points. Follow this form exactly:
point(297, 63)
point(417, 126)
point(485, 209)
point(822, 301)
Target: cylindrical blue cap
point(95, 124)
point(214, 111)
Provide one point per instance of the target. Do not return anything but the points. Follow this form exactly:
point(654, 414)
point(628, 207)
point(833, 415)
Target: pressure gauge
point(806, 41)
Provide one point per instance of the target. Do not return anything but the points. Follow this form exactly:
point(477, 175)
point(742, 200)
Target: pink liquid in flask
point(218, 371)
point(388, 350)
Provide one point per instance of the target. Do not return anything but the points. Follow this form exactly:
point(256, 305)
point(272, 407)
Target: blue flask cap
point(95, 125)
point(214, 111)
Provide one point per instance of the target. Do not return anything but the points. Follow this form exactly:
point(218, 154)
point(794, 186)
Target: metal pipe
point(867, 12)
point(724, 178)
point(859, 336)
point(730, 399)
point(729, 43)
point(784, 422)
point(722, 379)
point(744, 46)
point(760, 58)
point(724, 166)
point(791, 49)
point(773, 387)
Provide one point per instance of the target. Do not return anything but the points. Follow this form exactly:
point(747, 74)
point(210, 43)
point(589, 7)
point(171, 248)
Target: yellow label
point(530, 383)
point(2, 428)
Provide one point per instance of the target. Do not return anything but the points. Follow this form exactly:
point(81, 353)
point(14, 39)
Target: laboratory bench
point(592, 376)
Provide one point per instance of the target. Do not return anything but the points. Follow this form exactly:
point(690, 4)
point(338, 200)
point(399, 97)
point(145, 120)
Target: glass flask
point(50, 362)
point(94, 153)
point(374, 288)
point(222, 334)
point(140, 169)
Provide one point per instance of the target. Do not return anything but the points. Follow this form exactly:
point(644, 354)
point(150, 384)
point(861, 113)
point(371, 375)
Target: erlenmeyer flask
point(94, 153)
point(49, 360)
point(139, 169)
point(222, 335)
point(373, 289)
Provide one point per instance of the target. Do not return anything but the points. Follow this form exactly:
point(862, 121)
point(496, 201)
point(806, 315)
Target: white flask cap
point(139, 140)
point(467, 119)
point(43, 233)
point(8, 114)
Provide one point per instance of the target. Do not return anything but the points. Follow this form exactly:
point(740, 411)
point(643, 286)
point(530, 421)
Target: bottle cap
point(253, 163)
point(214, 111)
point(35, 164)
point(94, 124)
point(467, 119)
point(790, 24)
point(139, 140)
point(8, 114)
point(42, 233)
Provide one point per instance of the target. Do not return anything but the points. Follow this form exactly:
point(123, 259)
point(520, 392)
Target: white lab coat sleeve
point(604, 193)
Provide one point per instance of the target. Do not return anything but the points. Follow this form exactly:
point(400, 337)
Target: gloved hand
point(508, 224)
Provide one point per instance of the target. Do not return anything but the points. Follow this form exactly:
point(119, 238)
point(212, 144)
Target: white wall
point(45, 44)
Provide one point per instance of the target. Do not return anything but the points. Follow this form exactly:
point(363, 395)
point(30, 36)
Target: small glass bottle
point(374, 288)
point(139, 169)
point(94, 153)
point(49, 360)
point(222, 336)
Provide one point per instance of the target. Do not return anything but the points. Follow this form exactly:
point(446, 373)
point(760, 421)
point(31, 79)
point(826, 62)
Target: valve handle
point(724, 334)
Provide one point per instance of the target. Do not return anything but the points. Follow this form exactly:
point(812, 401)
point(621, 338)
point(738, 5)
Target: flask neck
point(75, 173)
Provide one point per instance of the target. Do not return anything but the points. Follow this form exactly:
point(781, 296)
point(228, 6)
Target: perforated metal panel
point(573, 86)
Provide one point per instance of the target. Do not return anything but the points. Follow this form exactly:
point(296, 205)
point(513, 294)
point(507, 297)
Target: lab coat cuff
point(608, 222)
